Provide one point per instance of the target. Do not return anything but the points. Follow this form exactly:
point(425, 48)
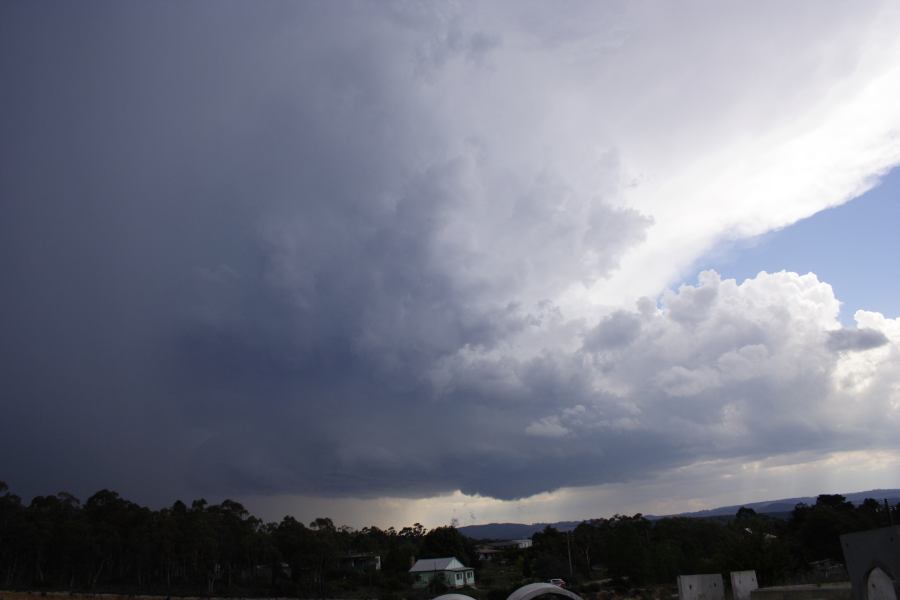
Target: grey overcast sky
point(419, 261)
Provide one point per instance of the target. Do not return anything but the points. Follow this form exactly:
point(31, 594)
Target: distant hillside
point(788, 504)
point(780, 508)
point(512, 531)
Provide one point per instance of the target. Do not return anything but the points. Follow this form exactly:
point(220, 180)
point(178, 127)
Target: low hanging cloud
point(395, 249)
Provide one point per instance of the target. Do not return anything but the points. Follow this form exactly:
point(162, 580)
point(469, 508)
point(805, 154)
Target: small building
point(487, 553)
point(511, 544)
point(453, 573)
point(361, 562)
point(498, 550)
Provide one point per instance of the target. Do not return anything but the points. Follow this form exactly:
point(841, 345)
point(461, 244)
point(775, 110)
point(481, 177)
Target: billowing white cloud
point(719, 370)
point(747, 399)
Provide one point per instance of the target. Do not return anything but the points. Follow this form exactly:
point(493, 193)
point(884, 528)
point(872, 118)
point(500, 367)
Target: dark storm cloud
point(230, 268)
point(303, 248)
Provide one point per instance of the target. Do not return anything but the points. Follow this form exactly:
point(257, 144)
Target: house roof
point(425, 565)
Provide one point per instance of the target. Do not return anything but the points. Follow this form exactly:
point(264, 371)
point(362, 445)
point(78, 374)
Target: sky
point(848, 246)
point(449, 262)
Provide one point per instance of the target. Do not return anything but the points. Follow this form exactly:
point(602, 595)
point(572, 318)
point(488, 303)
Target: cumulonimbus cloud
point(398, 249)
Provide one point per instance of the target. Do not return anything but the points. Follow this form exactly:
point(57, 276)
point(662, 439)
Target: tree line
point(641, 551)
point(109, 543)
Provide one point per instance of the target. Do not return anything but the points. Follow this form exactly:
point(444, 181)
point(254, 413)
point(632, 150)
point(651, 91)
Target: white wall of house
point(452, 579)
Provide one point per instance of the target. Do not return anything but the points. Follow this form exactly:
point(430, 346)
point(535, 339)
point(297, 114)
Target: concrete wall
point(866, 551)
point(742, 583)
point(701, 587)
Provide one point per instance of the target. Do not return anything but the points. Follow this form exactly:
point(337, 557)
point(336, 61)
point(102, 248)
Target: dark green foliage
point(640, 551)
point(499, 594)
point(816, 528)
point(447, 541)
point(548, 557)
point(112, 544)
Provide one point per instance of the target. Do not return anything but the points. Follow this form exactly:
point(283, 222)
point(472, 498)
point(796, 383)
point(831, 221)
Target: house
point(518, 544)
point(361, 562)
point(487, 553)
point(453, 573)
point(494, 550)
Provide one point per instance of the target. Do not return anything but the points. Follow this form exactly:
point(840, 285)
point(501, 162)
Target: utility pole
point(569, 547)
point(887, 507)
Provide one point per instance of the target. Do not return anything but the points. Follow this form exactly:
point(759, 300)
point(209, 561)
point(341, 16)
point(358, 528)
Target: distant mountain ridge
point(788, 504)
point(514, 531)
